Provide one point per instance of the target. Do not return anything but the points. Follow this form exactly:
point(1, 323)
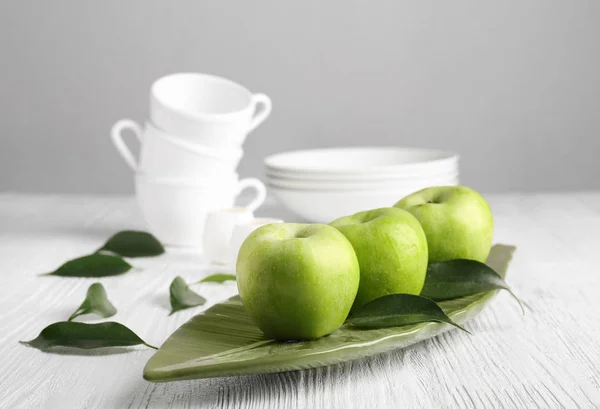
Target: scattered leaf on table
point(182, 297)
point(131, 243)
point(447, 280)
point(94, 265)
point(217, 278)
point(85, 336)
point(397, 310)
point(96, 302)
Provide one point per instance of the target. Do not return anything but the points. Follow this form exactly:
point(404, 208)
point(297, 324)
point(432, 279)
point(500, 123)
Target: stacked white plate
point(321, 185)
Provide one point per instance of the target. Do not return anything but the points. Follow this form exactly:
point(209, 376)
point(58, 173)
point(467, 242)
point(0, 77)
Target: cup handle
point(117, 140)
point(261, 192)
point(263, 107)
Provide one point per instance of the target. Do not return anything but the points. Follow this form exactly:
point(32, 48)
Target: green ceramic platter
point(223, 341)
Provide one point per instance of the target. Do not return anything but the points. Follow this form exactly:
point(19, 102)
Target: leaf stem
point(454, 324)
point(517, 299)
point(77, 314)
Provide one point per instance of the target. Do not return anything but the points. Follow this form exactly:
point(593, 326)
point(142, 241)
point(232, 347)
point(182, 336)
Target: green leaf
point(182, 297)
point(217, 278)
point(447, 280)
point(96, 302)
point(85, 336)
point(397, 310)
point(131, 243)
point(94, 265)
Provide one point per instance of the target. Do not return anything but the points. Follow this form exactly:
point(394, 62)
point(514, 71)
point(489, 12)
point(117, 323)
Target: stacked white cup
point(190, 148)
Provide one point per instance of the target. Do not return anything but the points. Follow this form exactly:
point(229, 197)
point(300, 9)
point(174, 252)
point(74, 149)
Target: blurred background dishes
point(218, 229)
point(361, 162)
point(165, 155)
point(376, 184)
point(190, 148)
point(206, 109)
point(175, 209)
point(323, 184)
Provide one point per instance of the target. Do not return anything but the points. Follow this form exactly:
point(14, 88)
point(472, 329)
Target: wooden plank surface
point(550, 358)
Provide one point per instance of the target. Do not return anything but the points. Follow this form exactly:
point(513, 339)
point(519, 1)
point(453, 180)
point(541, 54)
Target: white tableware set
point(321, 185)
point(190, 148)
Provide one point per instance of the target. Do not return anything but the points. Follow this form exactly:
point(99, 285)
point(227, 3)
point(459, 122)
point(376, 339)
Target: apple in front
point(392, 252)
point(297, 281)
point(457, 221)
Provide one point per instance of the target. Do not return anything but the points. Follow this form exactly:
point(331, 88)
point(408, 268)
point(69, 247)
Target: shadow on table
point(162, 301)
point(88, 352)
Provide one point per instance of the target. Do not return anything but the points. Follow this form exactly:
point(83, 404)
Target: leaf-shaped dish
point(223, 341)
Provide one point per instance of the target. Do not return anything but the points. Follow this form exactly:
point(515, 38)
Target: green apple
point(457, 221)
point(297, 281)
point(392, 252)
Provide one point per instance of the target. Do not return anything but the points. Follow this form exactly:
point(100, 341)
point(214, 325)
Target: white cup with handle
point(165, 155)
point(241, 231)
point(175, 209)
point(207, 109)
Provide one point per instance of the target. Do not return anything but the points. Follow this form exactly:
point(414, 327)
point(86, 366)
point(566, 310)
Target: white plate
point(343, 161)
point(325, 206)
point(353, 177)
point(376, 184)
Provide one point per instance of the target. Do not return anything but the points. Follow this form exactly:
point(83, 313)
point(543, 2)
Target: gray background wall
point(512, 85)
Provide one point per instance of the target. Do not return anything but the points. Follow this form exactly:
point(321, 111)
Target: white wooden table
point(550, 358)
